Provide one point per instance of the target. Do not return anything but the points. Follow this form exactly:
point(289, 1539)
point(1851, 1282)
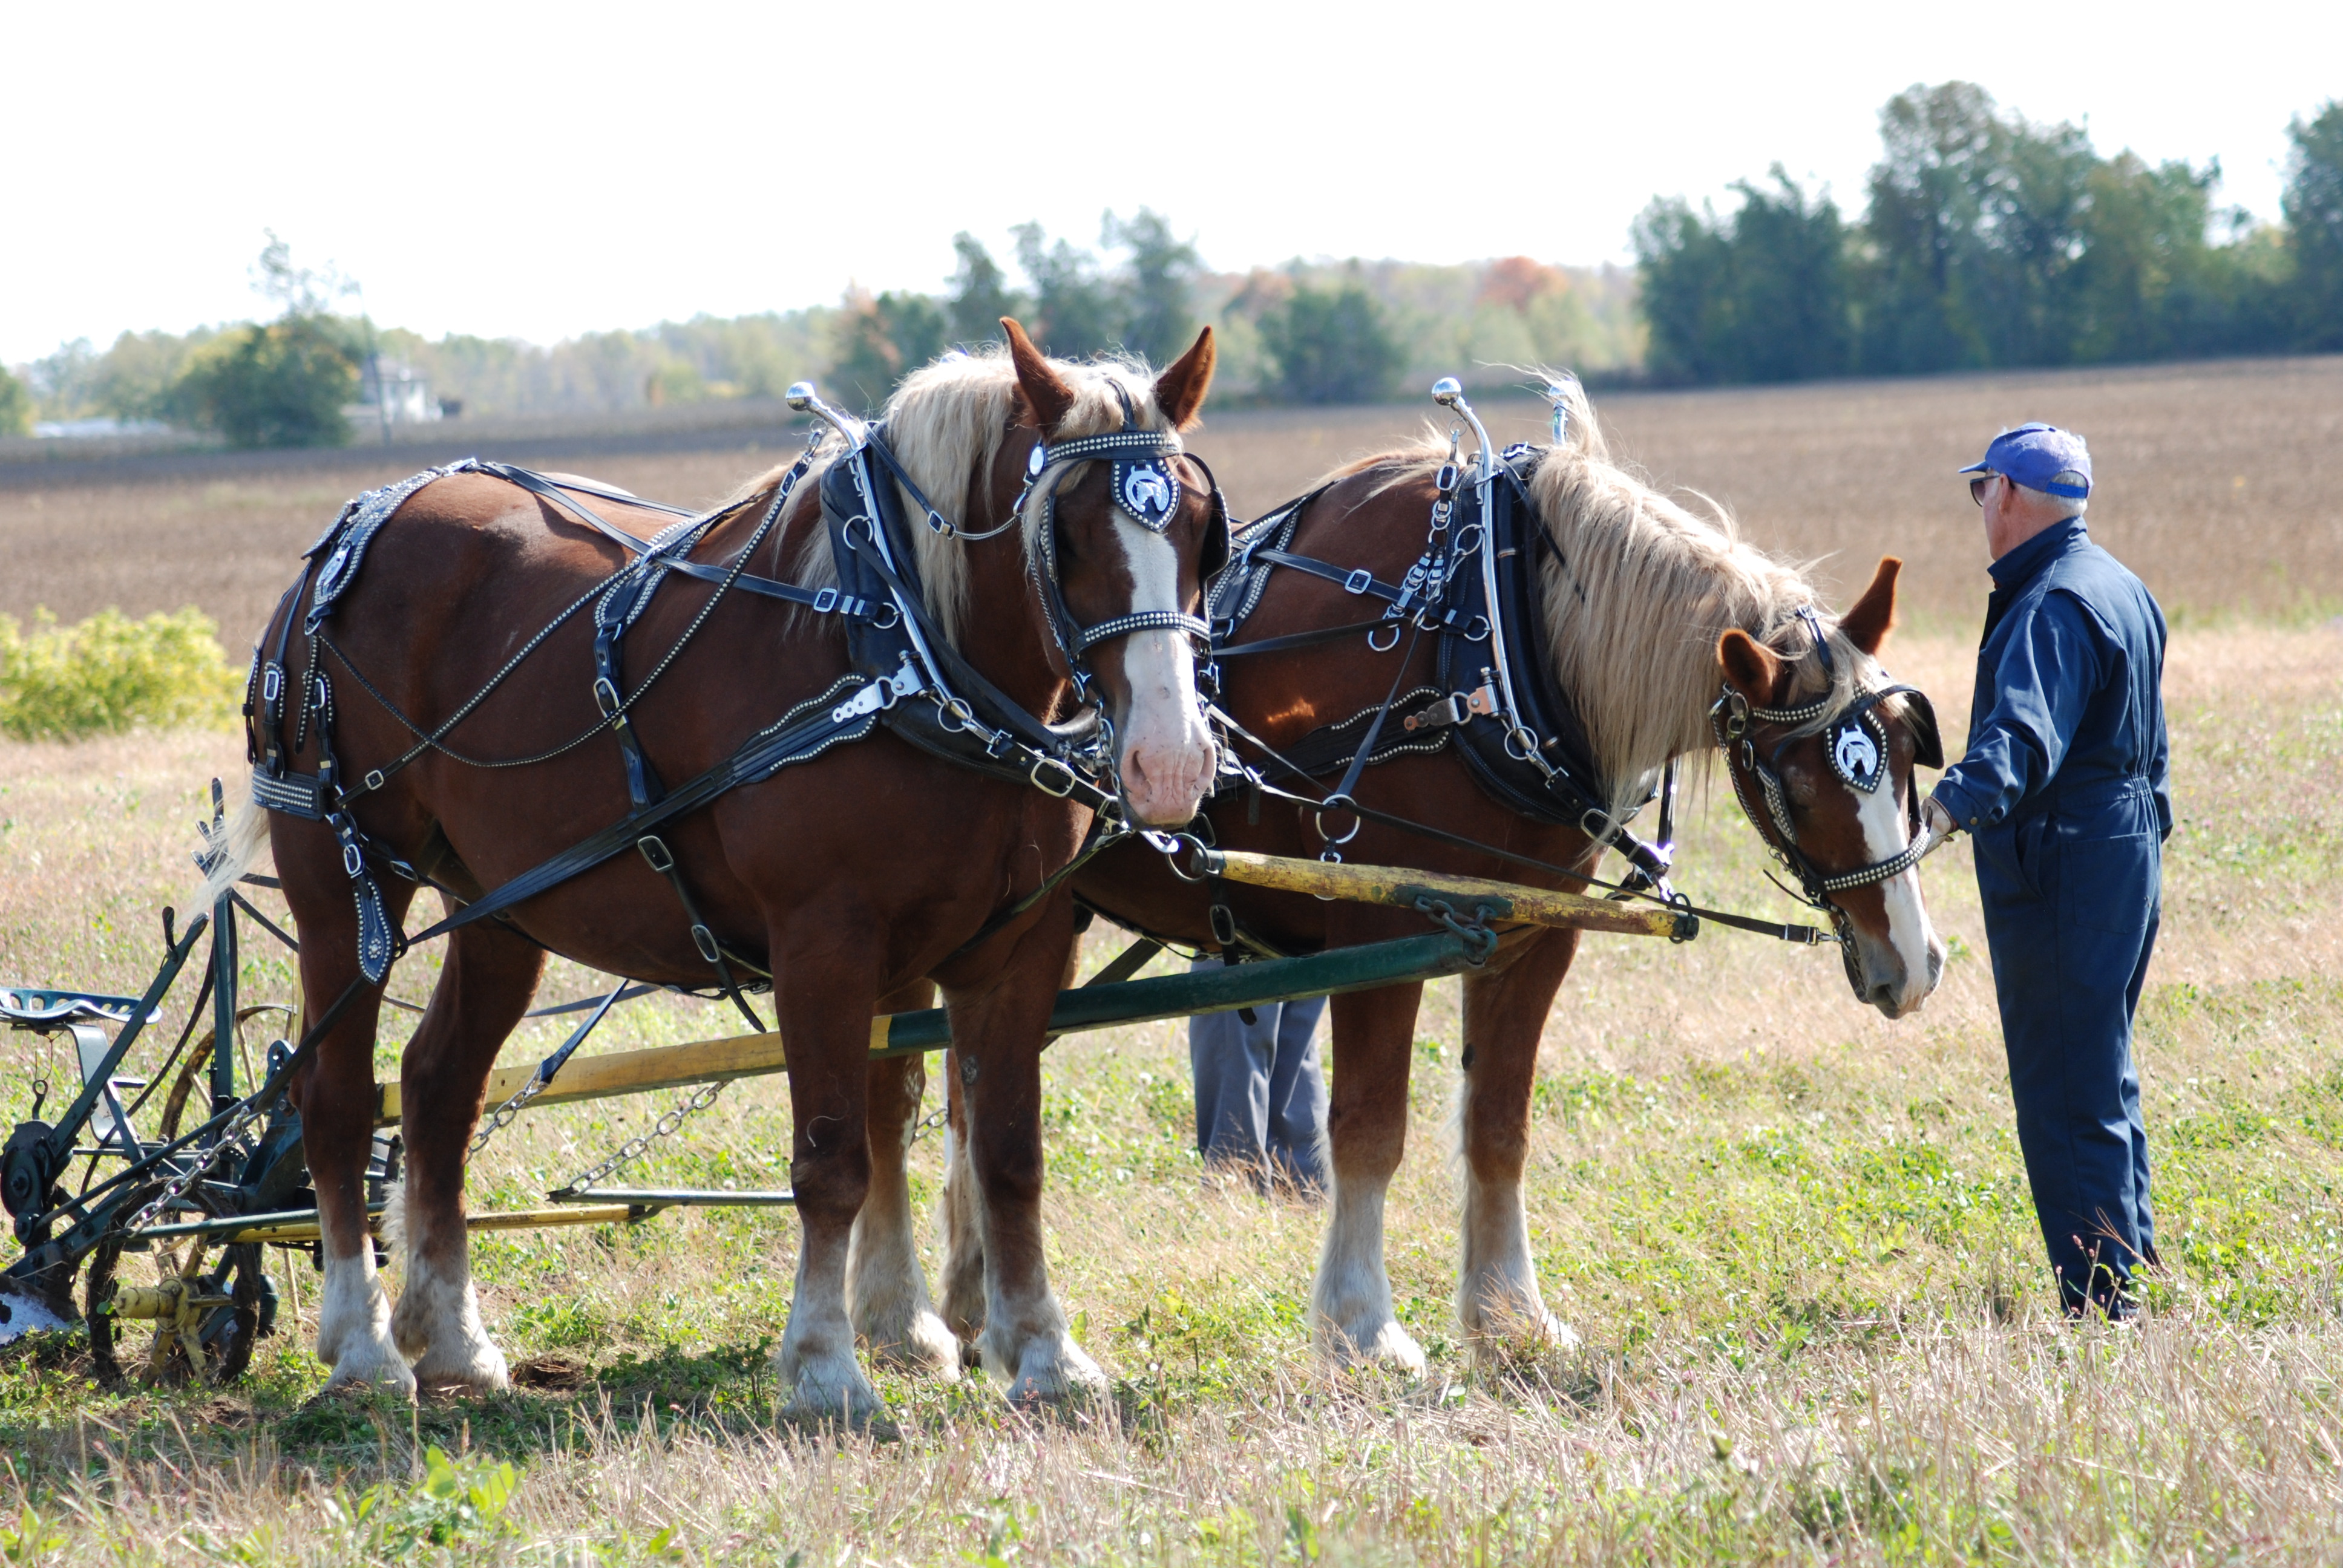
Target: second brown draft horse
point(1670, 637)
point(851, 878)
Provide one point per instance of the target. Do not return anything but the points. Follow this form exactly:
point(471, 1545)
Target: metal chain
point(935, 1119)
point(634, 1148)
point(499, 1118)
point(176, 1187)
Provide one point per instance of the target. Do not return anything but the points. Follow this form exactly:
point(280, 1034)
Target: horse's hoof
point(1055, 1373)
point(830, 1390)
point(1516, 1341)
point(924, 1347)
point(369, 1367)
point(479, 1369)
point(1385, 1346)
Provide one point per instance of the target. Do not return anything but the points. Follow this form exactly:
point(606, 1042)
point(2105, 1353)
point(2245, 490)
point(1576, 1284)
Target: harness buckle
point(353, 860)
point(1359, 581)
point(825, 601)
point(1034, 777)
point(374, 779)
point(605, 697)
point(655, 853)
point(272, 684)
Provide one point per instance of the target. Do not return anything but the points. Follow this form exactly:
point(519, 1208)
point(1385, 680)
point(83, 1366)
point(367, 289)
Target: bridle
point(1854, 741)
point(1146, 489)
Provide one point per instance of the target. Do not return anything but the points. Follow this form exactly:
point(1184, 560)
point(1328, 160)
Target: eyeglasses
point(1977, 485)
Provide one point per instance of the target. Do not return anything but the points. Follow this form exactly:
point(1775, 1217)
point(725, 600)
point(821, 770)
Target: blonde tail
point(235, 849)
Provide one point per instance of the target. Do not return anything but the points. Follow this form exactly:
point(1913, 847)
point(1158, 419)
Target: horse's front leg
point(1497, 1297)
point(489, 976)
point(1366, 1132)
point(335, 1097)
point(997, 1038)
point(822, 998)
point(886, 1289)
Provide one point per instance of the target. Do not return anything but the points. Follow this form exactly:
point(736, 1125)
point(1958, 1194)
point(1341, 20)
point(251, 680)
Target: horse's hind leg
point(1497, 1297)
point(335, 1097)
point(961, 1216)
point(1366, 1128)
point(489, 976)
point(886, 1289)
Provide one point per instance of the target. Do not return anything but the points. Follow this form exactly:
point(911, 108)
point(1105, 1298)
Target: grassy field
point(1795, 1237)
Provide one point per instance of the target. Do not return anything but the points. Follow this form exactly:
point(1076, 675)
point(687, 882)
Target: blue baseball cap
point(2034, 456)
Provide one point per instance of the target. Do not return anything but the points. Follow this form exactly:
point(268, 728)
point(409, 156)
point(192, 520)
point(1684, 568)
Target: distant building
point(391, 385)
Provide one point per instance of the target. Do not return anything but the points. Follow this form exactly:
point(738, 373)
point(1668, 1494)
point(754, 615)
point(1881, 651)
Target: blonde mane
point(1661, 584)
point(947, 422)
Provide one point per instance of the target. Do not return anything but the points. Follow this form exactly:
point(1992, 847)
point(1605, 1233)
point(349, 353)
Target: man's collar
point(2034, 553)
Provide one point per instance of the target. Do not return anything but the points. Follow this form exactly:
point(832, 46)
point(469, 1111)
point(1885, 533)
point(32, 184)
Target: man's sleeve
point(2159, 761)
point(2049, 669)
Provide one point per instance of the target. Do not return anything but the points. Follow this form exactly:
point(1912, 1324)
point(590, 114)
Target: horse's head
point(1826, 771)
point(1126, 538)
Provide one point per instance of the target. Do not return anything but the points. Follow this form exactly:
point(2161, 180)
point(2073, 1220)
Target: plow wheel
point(204, 1305)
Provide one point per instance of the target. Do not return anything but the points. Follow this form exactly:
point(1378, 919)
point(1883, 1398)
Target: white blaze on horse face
point(1918, 953)
point(1167, 753)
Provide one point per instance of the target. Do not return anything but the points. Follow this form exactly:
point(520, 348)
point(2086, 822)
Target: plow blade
point(26, 1308)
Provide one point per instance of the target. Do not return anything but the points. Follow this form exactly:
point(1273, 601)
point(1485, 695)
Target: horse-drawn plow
point(119, 1178)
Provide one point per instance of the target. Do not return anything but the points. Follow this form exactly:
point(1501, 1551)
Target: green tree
point(15, 405)
point(882, 340)
point(282, 385)
point(2313, 220)
point(1332, 344)
point(1074, 309)
point(1762, 297)
point(1159, 315)
point(980, 295)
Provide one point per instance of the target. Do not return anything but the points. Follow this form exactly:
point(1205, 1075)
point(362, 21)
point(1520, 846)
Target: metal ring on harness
point(1071, 778)
point(1393, 627)
point(1335, 803)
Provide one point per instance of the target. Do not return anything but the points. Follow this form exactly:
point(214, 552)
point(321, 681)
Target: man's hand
point(1936, 825)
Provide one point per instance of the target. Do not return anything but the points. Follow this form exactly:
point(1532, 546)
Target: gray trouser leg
point(1261, 1099)
point(1297, 1094)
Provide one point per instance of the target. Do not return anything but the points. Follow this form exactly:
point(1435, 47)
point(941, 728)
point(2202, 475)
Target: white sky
point(539, 171)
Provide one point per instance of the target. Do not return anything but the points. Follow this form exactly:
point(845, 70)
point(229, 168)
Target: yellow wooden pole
point(1403, 887)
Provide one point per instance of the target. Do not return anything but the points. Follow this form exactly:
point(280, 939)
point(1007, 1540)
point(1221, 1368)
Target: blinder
point(1146, 489)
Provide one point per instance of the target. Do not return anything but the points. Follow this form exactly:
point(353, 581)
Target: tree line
point(1988, 240)
point(1308, 332)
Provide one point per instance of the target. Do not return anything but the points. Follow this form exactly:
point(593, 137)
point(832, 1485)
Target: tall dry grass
point(1795, 1237)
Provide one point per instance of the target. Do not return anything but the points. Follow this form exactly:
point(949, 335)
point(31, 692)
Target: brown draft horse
point(854, 879)
point(1679, 609)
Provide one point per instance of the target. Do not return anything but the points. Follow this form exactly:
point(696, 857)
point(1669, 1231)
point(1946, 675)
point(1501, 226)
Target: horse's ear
point(1180, 391)
point(1048, 398)
point(1868, 624)
point(1750, 667)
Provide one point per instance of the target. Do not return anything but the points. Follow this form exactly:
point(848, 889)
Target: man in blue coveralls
point(2066, 790)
